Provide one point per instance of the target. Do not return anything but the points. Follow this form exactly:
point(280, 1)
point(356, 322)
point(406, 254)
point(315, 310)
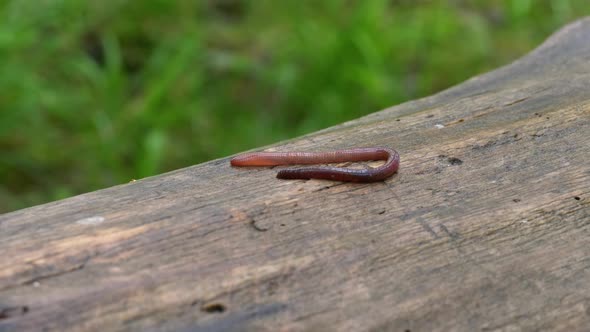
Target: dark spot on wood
point(322, 188)
point(213, 308)
point(8, 312)
point(461, 120)
point(239, 320)
point(256, 227)
point(454, 161)
point(378, 210)
point(516, 200)
point(430, 116)
point(397, 120)
point(577, 198)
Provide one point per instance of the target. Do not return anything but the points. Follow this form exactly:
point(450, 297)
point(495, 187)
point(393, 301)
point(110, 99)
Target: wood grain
point(486, 227)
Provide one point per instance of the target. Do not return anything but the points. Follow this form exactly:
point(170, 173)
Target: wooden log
point(486, 227)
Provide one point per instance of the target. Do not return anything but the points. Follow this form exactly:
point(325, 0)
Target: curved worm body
point(331, 173)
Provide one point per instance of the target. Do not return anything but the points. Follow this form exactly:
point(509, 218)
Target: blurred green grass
point(96, 93)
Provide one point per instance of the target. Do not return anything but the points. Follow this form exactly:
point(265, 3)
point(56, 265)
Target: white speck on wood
point(91, 221)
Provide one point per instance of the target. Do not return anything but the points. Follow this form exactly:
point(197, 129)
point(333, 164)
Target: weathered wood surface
point(485, 228)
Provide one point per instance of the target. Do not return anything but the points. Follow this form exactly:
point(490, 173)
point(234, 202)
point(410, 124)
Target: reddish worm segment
point(331, 173)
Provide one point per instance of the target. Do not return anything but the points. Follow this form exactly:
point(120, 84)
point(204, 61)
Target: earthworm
point(331, 173)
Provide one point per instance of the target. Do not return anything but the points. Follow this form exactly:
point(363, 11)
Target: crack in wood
point(76, 267)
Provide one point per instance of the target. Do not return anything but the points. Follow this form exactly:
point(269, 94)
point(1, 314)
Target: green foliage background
point(96, 93)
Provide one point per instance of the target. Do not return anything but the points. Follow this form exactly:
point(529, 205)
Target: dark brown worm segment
point(330, 173)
